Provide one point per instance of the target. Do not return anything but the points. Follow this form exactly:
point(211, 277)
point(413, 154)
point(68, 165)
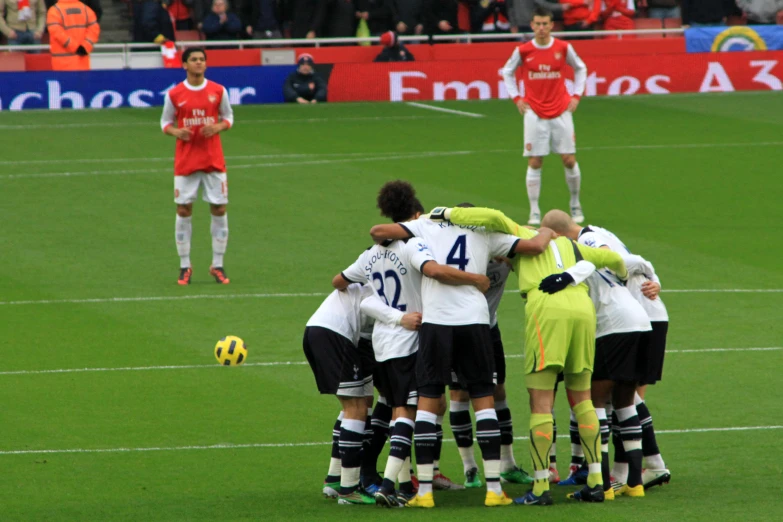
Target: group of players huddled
point(432, 284)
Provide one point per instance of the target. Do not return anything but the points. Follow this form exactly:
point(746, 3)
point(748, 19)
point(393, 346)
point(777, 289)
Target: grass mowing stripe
point(302, 363)
point(328, 443)
point(317, 294)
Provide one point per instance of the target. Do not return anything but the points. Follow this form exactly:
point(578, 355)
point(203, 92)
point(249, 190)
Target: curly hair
point(398, 202)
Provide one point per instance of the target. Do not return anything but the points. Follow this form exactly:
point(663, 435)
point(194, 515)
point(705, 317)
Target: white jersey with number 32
point(467, 248)
point(394, 271)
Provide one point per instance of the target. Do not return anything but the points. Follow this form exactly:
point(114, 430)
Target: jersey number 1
point(458, 254)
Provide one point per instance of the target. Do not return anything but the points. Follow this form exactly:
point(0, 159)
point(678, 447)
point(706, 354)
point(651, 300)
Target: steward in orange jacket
point(73, 31)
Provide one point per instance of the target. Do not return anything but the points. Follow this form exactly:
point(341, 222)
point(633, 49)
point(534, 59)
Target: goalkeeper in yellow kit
point(560, 337)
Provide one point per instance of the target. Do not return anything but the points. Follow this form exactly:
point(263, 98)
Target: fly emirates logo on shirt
point(544, 72)
point(198, 118)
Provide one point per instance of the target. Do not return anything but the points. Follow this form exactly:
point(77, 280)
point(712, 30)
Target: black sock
point(425, 439)
point(379, 425)
point(631, 434)
point(461, 427)
point(438, 444)
point(488, 438)
point(649, 443)
point(553, 452)
point(605, 432)
point(335, 447)
point(573, 432)
point(351, 439)
point(617, 441)
point(399, 448)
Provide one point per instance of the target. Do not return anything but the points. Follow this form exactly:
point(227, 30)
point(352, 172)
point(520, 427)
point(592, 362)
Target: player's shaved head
point(558, 221)
point(398, 202)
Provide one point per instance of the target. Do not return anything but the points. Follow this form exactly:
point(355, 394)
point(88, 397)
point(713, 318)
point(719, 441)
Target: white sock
point(425, 473)
point(219, 229)
point(492, 470)
point(334, 467)
point(533, 182)
point(654, 462)
point(507, 462)
point(468, 459)
point(574, 180)
point(405, 471)
point(620, 472)
point(183, 230)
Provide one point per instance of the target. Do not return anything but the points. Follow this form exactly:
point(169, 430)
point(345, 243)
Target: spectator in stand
point(442, 16)
point(73, 32)
point(762, 12)
point(393, 49)
point(379, 15)
point(304, 18)
point(661, 8)
point(520, 12)
point(341, 19)
point(151, 22)
point(304, 85)
point(581, 14)
point(261, 19)
point(409, 16)
point(181, 13)
point(488, 16)
point(221, 24)
point(95, 5)
point(698, 13)
point(618, 16)
point(24, 21)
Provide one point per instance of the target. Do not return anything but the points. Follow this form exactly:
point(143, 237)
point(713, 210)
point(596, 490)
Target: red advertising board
point(610, 75)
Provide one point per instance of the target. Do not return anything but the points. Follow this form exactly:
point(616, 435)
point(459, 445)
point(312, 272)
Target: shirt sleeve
point(638, 265)
point(580, 71)
point(414, 227)
point(490, 219)
point(417, 251)
point(581, 271)
point(502, 244)
point(226, 112)
point(592, 240)
point(374, 307)
point(169, 116)
point(603, 258)
point(509, 72)
point(355, 273)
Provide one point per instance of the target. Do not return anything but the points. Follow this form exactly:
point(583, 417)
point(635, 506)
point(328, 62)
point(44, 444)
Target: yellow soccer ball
point(231, 351)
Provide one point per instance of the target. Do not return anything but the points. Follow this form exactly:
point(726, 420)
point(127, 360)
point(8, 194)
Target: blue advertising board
point(734, 38)
point(132, 88)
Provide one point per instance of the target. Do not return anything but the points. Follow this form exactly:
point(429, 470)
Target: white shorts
point(545, 136)
point(215, 191)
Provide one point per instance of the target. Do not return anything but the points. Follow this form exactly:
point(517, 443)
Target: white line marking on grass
point(413, 155)
point(154, 125)
point(443, 109)
point(725, 291)
point(295, 294)
point(325, 443)
point(302, 363)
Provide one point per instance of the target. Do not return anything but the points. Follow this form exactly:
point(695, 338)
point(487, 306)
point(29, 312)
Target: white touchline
point(412, 155)
point(376, 156)
point(443, 109)
point(313, 294)
point(303, 363)
point(262, 445)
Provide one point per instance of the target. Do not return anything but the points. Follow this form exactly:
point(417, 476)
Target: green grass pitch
point(691, 182)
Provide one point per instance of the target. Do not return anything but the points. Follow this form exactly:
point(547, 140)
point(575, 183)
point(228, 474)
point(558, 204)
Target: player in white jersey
point(455, 336)
point(331, 346)
point(620, 323)
point(547, 107)
point(395, 270)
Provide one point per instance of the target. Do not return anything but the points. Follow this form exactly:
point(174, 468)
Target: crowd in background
point(23, 21)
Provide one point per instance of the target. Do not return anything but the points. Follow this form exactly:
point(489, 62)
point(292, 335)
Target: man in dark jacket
point(409, 16)
point(304, 85)
point(341, 19)
point(705, 12)
point(379, 14)
point(306, 17)
point(442, 16)
point(262, 19)
point(393, 49)
point(221, 24)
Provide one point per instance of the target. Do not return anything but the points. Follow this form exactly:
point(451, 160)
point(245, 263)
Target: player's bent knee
point(218, 210)
point(535, 162)
point(500, 392)
point(569, 160)
point(184, 211)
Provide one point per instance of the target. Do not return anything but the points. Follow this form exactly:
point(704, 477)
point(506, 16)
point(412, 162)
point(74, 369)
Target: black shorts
point(338, 366)
point(652, 348)
point(615, 357)
point(396, 381)
point(465, 349)
point(500, 361)
point(369, 364)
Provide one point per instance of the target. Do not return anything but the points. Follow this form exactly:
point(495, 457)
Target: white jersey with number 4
point(616, 310)
point(394, 271)
point(467, 248)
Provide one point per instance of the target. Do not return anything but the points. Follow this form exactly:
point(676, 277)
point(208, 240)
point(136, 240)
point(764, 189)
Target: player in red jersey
point(547, 107)
point(195, 112)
